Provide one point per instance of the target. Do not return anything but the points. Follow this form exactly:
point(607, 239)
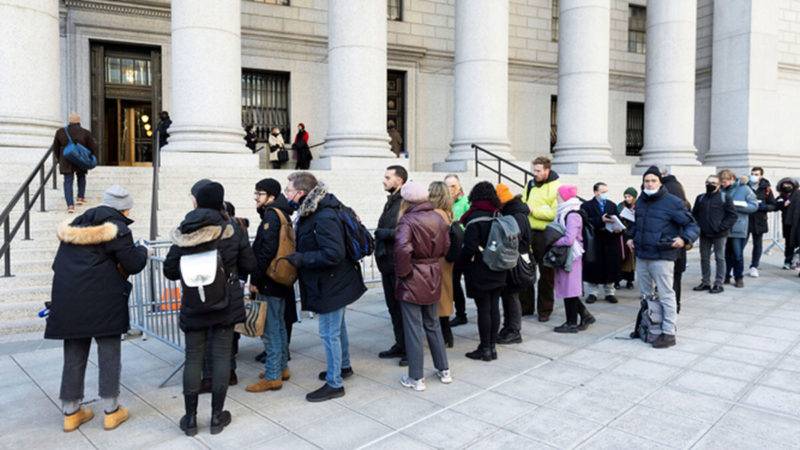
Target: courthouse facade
point(633, 82)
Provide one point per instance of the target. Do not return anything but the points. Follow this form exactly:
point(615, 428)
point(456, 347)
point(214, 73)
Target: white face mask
point(754, 179)
point(650, 191)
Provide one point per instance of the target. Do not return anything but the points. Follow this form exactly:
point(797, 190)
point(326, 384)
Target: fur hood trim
point(91, 235)
point(312, 200)
point(201, 236)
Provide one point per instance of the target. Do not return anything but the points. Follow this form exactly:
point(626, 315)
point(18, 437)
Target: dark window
point(394, 10)
point(637, 29)
point(273, 2)
point(634, 130)
point(553, 122)
point(554, 21)
point(265, 102)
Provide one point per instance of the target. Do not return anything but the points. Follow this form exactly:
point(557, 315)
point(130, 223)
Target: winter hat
point(503, 193)
point(200, 183)
point(632, 192)
point(567, 191)
point(118, 198)
point(414, 192)
point(652, 170)
point(211, 196)
point(269, 185)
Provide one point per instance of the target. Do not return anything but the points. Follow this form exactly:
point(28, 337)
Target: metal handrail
point(499, 171)
point(154, 194)
point(10, 232)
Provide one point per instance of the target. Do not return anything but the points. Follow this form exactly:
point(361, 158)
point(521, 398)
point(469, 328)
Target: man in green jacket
point(460, 206)
point(540, 195)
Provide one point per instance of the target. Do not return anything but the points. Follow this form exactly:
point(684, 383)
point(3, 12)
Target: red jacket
point(421, 238)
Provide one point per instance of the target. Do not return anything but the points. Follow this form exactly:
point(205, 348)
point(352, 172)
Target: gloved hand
point(383, 233)
point(295, 259)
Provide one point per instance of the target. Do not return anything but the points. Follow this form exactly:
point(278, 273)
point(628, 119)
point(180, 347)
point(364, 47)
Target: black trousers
point(677, 274)
point(220, 339)
point(788, 248)
point(574, 307)
point(388, 280)
point(545, 295)
point(488, 303)
point(207, 360)
point(458, 293)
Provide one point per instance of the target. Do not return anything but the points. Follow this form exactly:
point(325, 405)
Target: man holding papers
point(600, 275)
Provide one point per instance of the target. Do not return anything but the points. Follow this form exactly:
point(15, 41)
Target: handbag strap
point(69, 138)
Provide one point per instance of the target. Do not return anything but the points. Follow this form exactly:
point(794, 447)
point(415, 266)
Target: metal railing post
point(7, 241)
point(27, 213)
point(41, 183)
point(154, 196)
point(55, 171)
point(476, 158)
point(499, 170)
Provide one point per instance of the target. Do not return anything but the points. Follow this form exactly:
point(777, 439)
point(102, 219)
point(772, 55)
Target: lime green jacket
point(541, 199)
point(460, 206)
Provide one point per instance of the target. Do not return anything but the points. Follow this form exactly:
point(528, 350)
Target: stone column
point(481, 82)
point(669, 84)
point(744, 85)
point(356, 83)
point(583, 54)
point(206, 85)
point(30, 98)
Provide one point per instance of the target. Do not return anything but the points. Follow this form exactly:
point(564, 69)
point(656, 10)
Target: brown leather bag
point(280, 269)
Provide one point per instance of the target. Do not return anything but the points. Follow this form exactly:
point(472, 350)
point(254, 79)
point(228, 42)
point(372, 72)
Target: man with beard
point(393, 179)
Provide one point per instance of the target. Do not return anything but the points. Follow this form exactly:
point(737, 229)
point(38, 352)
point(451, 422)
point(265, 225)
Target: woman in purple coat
point(569, 283)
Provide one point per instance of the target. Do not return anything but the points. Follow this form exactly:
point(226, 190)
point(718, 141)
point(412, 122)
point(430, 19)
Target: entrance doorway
point(129, 130)
point(126, 100)
point(396, 103)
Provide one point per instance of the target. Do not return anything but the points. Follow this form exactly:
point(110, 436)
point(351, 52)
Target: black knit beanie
point(211, 196)
point(269, 185)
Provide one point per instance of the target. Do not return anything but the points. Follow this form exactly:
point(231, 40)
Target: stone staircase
point(22, 295)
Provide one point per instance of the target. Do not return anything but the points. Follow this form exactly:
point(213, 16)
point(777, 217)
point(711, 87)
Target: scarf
point(564, 208)
point(478, 205)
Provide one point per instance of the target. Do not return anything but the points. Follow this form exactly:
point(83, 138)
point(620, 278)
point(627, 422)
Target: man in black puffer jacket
point(758, 225)
point(512, 205)
point(715, 215)
point(329, 280)
point(207, 228)
point(90, 300)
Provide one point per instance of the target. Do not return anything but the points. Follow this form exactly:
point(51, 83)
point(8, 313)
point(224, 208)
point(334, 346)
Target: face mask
point(710, 188)
point(786, 188)
point(602, 197)
point(754, 179)
point(650, 191)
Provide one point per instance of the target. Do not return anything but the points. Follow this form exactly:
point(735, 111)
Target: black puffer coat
point(478, 276)
point(265, 247)
point(202, 230)
point(90, 287)
point(515, 207)
point(384, 233)
point(328, 280)
point(714, 215)
point(758, 223)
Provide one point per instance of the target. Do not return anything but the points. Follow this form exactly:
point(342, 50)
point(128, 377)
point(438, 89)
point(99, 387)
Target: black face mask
point(786, 189)
point(710, 188)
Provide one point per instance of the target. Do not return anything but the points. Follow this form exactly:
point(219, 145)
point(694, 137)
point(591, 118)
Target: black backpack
point(587, 231)
point(358, 242)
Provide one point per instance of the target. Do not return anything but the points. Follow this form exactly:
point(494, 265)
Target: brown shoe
point(265, 385)
point(739, 283)
point(80, 201)
point(70, 209)
point(285, 374)
point(544, 317)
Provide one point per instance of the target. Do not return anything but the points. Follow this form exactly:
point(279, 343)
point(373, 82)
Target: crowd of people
point(427, 239)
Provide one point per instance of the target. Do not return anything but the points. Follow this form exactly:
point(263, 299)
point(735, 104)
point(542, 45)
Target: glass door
point(136, 133)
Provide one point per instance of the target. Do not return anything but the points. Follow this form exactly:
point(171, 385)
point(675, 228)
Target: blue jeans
point(333, 332)
point(275, 342)
point(734, 257)
point(68, 187)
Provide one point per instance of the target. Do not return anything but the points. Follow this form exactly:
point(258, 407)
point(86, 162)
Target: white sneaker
point(444, 376)
point(754, 272)
point(417, 385)
point(787, 266)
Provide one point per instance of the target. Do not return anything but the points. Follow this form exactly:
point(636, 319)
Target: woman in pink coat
point(569, 283)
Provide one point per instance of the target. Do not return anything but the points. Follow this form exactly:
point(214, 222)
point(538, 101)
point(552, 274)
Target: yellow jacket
point(542, 201)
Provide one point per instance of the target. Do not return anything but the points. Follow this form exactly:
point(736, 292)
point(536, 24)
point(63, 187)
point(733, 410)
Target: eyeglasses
point(259, 193)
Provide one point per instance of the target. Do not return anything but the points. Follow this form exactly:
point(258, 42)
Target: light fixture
point(149, 133)
point(145, 118)
point(147, 126)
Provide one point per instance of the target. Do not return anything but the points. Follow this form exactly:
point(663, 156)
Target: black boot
point(447, 333)
point(586, 317)
point(219, 420)
point(189, 421)
point(494, 352)
point(480, 353)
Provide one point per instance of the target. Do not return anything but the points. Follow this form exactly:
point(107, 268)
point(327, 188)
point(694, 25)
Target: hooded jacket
point(422, 238)
point(660, 218)
point(520, 211)
point(742, 194)
point(90, 288)
point(328, 280)
point(541, 199)
point(202, 230)
point(385, 233)
point(478, 276)
point(758, 223)
point(265, 247)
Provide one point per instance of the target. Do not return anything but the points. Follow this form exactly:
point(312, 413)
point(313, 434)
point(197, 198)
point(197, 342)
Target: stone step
point(25, 280)
point(21, 310)
point(19, 326)
point(20, 294)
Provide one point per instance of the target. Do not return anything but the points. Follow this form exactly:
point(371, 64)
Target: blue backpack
point(357, 239)
point(80, 156)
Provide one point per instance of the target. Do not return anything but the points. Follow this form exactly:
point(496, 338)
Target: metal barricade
point(155, 301)
point(776, 233)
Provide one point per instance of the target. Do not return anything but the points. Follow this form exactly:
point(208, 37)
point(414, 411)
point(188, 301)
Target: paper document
point(740, 203)
point(615, 226)
point(628, 214)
